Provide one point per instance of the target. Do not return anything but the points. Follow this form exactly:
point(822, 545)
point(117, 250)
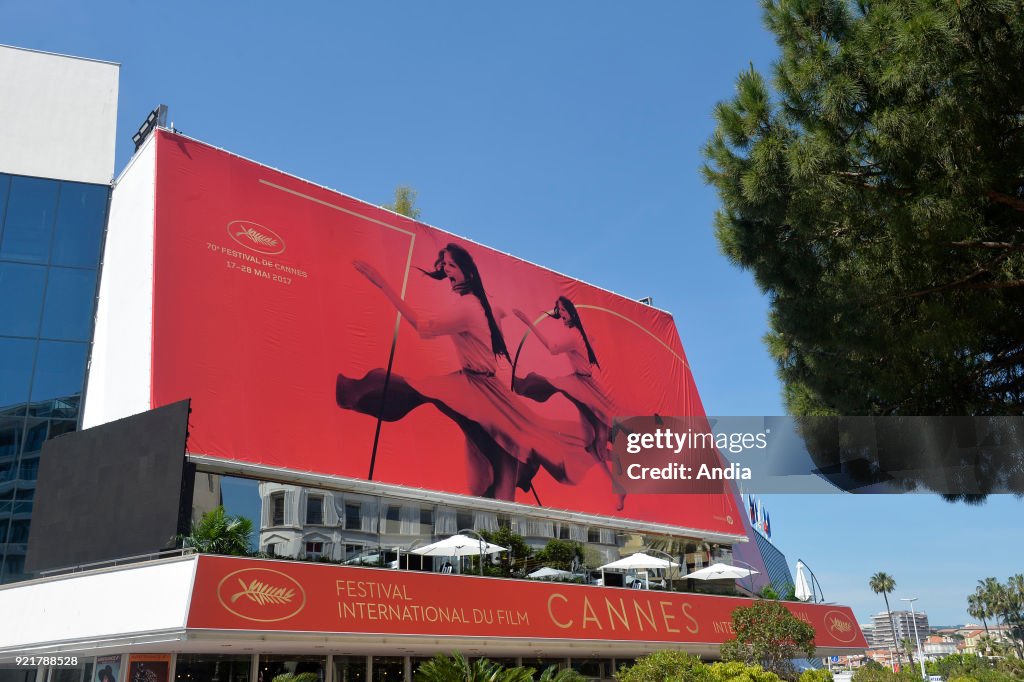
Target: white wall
point(86, 607)
point(120, 373)
point(58, 115)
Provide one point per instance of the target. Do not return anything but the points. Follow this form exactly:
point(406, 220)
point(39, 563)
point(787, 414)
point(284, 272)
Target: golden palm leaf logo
point(263, 594)
point(840, 625)
point(257, 237)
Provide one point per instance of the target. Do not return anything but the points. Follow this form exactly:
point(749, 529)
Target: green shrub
point(666, 666)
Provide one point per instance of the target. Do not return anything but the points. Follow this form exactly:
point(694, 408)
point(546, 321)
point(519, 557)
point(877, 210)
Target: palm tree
point(1015, 611)
point(218, 533)
point(883, 583)
point(978, 607)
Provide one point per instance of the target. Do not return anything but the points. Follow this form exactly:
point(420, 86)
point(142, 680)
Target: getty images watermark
point(963, 457)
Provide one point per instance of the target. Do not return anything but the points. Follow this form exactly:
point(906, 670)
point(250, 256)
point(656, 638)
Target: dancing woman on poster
point(501, 432)
point(580, 388)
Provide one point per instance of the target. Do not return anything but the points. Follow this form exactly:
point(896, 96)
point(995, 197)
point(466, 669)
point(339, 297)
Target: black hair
point(473, 285)
point(576, 323)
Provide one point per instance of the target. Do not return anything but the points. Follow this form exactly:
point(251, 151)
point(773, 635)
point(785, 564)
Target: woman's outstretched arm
point(536, 330)
point(407, 311)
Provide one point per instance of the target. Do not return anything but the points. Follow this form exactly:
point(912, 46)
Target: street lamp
point(913, 615)
point(749, 575)
point(814, 581)
point(482, 543)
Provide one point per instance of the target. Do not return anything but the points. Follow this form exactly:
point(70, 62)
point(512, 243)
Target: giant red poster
point(276, 309)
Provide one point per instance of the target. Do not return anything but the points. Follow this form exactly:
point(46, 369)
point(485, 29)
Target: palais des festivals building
point(250, 383)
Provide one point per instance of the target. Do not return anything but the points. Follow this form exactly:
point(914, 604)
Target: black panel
point(116, 490)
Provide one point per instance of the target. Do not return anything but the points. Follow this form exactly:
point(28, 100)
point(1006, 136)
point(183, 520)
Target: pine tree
point(876, 193)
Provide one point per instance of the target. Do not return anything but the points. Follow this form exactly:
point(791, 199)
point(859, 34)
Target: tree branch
point(1012, 284)
point(1006, 199)
point(989, 245)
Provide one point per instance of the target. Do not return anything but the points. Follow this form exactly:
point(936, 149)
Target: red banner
point(276, 309)
point(248, 594)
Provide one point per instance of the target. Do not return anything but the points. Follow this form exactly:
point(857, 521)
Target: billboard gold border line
point(398, 315)
point(336, 207)
point(639, 326)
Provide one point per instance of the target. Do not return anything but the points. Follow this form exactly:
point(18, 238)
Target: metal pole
point(480, 538)
point(668, 569)
point(920, 652)
point(814, 581)
point(749, 575)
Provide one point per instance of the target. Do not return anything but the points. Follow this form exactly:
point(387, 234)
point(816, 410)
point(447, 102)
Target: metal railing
point(138, 558)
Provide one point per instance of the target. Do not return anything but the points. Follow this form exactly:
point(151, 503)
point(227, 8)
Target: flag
point(767, 524)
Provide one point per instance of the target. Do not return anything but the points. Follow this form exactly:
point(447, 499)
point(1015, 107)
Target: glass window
point(315, 510)
point(19, 530)
point(16, 357)
point(594, 535)
point(542, 664)
point(393, 524)
point(6, 474)
point(14, 567)
point(212, 668)
point(60, 370)
point(349, 669)
point(10, 436)
point(29, 469)
point(272, 666)
point(426, 520)
point(277, 509)
point(67, 313)
point(388, 669)
point(36, 432)
point(81, 214)
point(464, 519)
point(66, 674)
point(592, 667)
point(31, 205)
point(21, 294)
point(314, 550)
point(352, 517)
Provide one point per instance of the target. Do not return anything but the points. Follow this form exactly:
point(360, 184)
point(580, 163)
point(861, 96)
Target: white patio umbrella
point(550, 573)
point(721, 572)
point(803, 586)
point(638, 561)
point(458, 545)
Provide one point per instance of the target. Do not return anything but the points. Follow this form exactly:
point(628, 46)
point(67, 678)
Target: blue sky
point(566, 133)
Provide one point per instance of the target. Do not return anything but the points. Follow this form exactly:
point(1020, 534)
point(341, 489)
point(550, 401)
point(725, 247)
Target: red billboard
point(247, 594)
point(319, 333)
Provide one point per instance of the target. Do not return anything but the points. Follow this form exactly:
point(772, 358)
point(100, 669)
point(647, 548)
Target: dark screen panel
point(112, 491)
